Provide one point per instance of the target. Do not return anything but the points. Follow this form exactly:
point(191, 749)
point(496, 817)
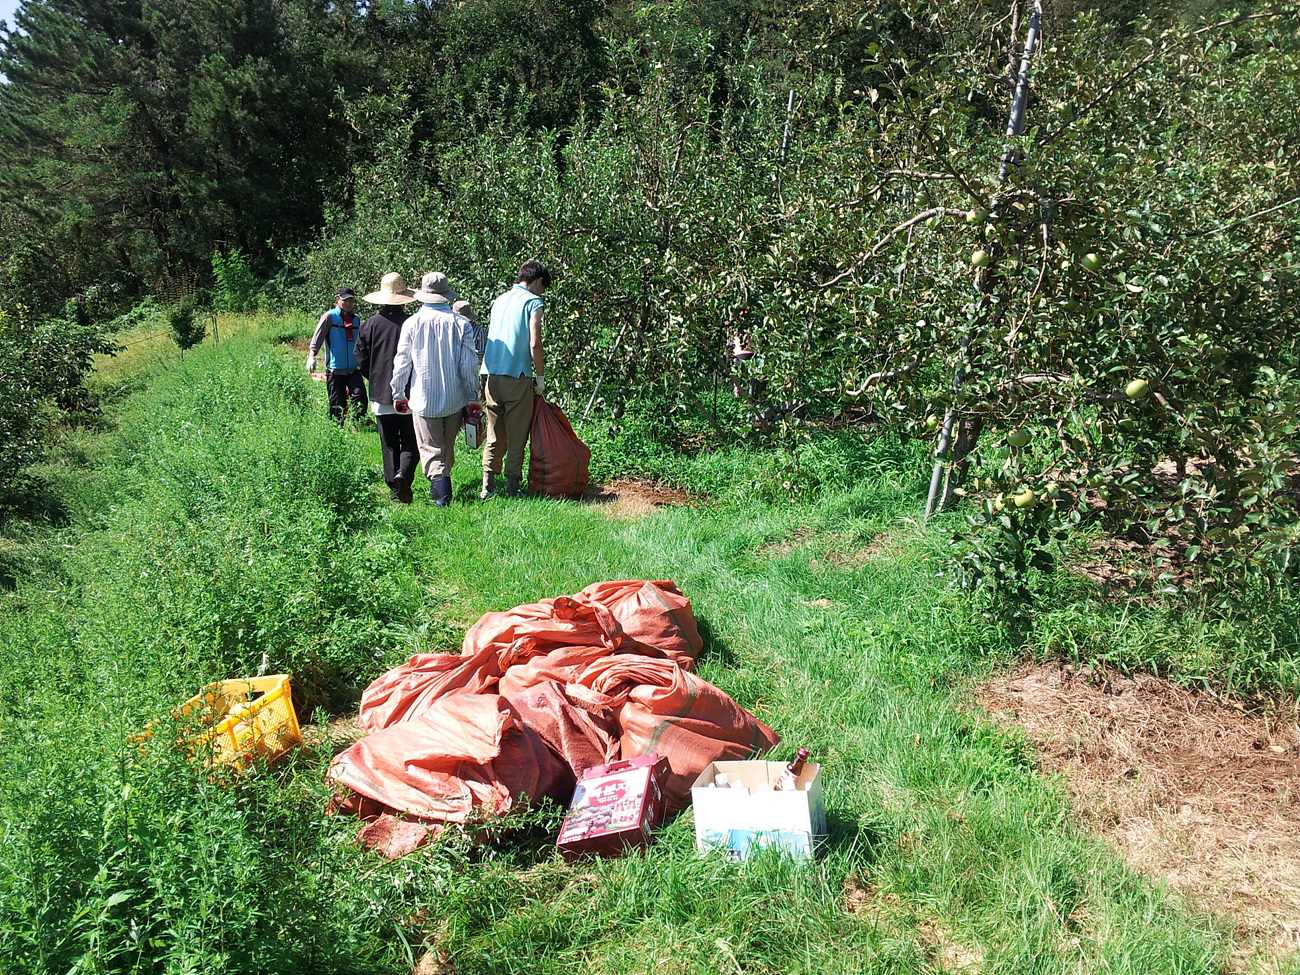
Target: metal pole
point(1015, 124)
point(785, 136)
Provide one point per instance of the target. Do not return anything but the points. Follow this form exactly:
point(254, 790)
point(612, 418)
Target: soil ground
point(631, 498)
point(1189, 787)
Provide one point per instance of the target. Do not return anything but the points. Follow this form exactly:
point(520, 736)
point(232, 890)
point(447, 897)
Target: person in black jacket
point(376, 346)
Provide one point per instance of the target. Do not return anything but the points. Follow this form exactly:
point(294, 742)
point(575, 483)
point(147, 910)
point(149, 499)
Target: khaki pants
point(508, 402)
point(436, 436)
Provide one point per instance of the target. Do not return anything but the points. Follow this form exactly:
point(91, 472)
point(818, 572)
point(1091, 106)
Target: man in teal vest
point(514, 368)
point(337, 333)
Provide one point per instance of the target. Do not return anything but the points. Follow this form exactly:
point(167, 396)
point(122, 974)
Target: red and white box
point(615, 808)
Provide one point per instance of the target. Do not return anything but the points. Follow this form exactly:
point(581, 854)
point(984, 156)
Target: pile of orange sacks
point(538, 694)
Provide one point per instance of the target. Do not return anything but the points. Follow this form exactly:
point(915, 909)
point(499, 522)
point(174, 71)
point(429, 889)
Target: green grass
point(225, 520)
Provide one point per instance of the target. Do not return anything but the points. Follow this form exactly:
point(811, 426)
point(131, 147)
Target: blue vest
point(342, 349)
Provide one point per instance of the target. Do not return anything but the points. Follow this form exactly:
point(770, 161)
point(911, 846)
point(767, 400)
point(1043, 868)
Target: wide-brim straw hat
point(462, 309)
point(435, 288)
point(393, 290)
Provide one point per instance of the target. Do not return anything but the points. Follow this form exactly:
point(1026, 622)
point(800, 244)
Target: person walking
point(375, 351)
point(336, 333)
point(436, 356)
point(514, 368)
point(463, 309)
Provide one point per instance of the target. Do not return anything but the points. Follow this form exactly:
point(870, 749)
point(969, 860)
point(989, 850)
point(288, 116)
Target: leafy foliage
point(1135, 240)
point(43, 365)
point(186, 328)
point(805, 268)
point(136, 136)
point(235, 284)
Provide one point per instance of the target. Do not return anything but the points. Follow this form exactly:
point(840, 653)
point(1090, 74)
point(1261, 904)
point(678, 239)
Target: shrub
point(236, 285)
point(186, 329)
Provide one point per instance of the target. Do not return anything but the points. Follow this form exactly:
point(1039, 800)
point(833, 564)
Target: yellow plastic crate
point(245, 719)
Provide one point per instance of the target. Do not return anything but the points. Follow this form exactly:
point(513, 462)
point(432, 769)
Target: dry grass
point(628, 499)
point(1189, 787)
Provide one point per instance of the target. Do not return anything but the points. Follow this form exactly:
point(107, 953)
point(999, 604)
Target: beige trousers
point(436, 436)
point(508, 403)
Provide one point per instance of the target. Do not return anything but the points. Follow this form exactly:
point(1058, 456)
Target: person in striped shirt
point(436, 356)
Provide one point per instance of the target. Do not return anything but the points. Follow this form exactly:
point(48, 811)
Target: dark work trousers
point(344, 386)
point(401, 452)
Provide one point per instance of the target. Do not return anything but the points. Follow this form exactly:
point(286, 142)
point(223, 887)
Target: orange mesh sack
point(630, 616)
point(409, 690)
point(464, 751)
point(582, 732)
point(558, 461)
point(661, 708)
point(655, 614)
point(540, 627)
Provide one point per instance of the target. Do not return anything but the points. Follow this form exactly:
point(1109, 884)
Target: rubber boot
point(512, 487)
point(489, 485)
point(440, 490)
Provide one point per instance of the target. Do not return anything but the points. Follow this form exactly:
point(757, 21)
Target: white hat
point(435, 289)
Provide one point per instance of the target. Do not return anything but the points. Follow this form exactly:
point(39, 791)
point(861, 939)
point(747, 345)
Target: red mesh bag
point(661, 708)
point(536, 695)
point(558, 462)
point(638, 616)
point(413, 687)
point(463, 751)
point(654, 614)
point(582, 731)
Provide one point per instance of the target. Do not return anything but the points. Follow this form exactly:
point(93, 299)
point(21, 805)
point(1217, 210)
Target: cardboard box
point(737, 821)
point(615, 807)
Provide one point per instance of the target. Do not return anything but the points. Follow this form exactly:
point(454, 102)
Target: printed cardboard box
point(615, 807)
point(738, 821)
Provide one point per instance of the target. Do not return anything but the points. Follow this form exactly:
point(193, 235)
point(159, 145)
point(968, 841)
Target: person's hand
point(402, 405)
point(539, 385)
point(311, 363)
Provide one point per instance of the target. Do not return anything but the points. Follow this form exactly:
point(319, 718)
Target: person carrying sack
point(336, 333)
point(514, 368)
point(436, 358)
point(375, 351)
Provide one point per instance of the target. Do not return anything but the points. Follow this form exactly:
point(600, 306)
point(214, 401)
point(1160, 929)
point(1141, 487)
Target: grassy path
point(226, 520)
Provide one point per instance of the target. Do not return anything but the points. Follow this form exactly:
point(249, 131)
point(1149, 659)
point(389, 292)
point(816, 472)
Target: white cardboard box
point(737, 821)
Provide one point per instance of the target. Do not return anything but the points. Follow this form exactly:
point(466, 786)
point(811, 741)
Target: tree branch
point(925, 215)
point(876, 377)
point(1127, 75)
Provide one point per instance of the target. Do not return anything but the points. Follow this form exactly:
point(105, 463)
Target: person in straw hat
point(436, 357)
point(376, 349)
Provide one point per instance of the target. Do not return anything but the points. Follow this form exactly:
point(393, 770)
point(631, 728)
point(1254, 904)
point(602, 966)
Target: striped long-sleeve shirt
point(436, 353)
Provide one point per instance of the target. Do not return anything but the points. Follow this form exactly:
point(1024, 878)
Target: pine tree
point(139, 135)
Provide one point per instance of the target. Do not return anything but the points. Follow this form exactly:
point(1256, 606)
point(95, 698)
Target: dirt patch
point(1189, 787)
point(340, 733)
point(949, 955)
point(787, 545)
point(881, 546)
point(433, 963)
point(628, 498)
